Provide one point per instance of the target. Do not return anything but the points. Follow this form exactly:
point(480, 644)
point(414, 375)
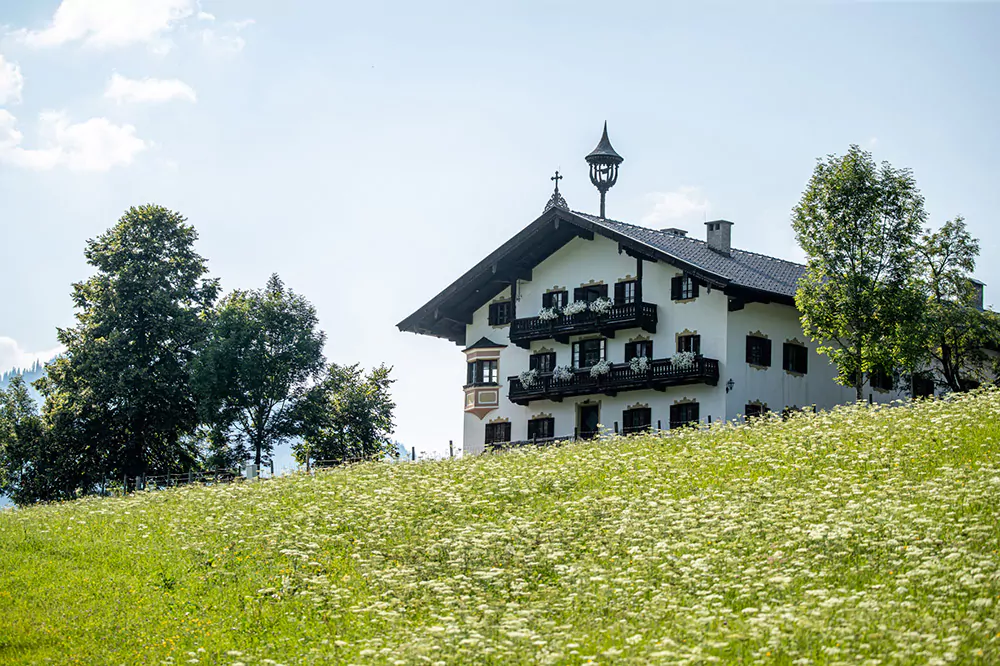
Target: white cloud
point(228, 40)
point(11, 82)
point(205, 16)
point(685, 204)
point(122, 89)
point(12, 355)
point(111, 23)
point(93, 145)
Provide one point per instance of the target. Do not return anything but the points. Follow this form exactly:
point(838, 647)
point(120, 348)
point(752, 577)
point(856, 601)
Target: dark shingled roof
point(745, 276)
point(484, 343)
point(744, 269)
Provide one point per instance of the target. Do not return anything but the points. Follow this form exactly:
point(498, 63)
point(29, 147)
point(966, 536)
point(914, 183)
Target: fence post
point(659, 424)
point(616, 427)
point(413, 453)
point(451, 448)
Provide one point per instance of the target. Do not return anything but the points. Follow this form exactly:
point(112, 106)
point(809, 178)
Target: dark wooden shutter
point(675, 288)
point(694, 288)
point(696, 344)
point(620, 293)
point(629, 351)
point(575, 361)
point(750, 341)
point(786, 357)
point(547, 300)
point(767, 351)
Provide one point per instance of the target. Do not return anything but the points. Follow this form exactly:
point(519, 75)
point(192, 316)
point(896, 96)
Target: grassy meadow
point(858, 536)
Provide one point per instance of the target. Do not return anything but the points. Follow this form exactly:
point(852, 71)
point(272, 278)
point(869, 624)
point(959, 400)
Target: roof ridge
point(690, 238)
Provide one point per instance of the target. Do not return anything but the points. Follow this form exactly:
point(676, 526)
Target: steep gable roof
point(744, 274)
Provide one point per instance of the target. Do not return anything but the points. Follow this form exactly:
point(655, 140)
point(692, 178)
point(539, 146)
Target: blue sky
point(371, 152)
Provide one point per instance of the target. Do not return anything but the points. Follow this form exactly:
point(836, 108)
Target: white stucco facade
point(722, 334)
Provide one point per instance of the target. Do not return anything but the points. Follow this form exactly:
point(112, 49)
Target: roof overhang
point(447, 314)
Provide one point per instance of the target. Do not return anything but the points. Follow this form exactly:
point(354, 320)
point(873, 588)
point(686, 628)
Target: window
point(752, 410)
point(923, 385)
point(683, 287)
point(588, 352)
point(689, 343)
point(543, 363)
point(758, 351)
point(497, 433)
point(541, 428)
point(638, 348)
point(555, 299)
point(636, 420)
point(682, 415)
point(590, 293)
point(795, 358)
point(625, 292)
point(881, 380)
point(483, 372)
point(500, 313)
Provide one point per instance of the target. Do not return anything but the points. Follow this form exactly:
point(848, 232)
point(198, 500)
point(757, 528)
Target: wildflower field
point(862, 535)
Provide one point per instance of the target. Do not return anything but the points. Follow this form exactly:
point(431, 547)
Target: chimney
point(674, 231)
point(720, 236)
point(978, 301)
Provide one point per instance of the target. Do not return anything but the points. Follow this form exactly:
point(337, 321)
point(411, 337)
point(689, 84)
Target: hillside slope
point(857, 536)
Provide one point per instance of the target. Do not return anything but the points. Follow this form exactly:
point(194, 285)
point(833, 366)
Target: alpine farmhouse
point(580, 322)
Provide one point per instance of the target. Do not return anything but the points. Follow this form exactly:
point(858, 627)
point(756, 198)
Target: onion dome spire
point(604, 162)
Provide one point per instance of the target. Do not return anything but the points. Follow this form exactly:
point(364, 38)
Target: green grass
point(864, 535)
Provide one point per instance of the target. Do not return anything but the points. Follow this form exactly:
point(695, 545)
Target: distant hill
point(29, 374)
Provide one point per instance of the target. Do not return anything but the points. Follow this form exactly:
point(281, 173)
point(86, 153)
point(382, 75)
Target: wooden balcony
point(661, 375)
point(626, 315)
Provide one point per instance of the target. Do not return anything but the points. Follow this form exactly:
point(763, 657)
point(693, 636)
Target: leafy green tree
point(958, 333)
point(26, 471)
point(120, 398)
point(858, 224)
point(263, 356)
point(349, 416)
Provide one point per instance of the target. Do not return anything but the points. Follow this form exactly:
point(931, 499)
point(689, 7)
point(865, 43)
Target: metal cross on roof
point(556, 178)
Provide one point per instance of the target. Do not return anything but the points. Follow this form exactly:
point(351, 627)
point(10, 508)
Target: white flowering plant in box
point(639, 364)
point(683, 360)
point(528, 378)
point(562, 373)
point(600, 368)
point(601, 306)
point(548, 314)
point(576, 307)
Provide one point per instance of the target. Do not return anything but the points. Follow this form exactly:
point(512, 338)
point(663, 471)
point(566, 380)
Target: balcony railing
point(660, 375)
point(624, 315)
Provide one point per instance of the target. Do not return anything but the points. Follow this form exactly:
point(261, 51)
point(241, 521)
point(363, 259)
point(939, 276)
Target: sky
point(370, 153)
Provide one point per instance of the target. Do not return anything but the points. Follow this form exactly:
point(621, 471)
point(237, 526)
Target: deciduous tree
point(120, 397)
point(263, 356)
point(349, 416)
point(858, 224)
point(958, 331)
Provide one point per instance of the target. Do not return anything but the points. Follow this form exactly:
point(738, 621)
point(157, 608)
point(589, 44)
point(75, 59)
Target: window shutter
point(696, 344)
point(620, 293)
point(750, 349)
point(803, 365)
point(786, 357)
point(694, 288)
point(629, 351)
point(576, 355)
point(547, 300)
point(675, 288)
point(604, 350)
point(767, 352)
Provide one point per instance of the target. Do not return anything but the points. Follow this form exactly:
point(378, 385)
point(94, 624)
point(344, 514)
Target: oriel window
point(483, 372)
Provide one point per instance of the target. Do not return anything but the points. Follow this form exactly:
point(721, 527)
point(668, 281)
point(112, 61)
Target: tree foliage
point(958, 332)
point(349, 416)
point(263, 355)
point(23, 446)
point(120, 399)
point(858, 224)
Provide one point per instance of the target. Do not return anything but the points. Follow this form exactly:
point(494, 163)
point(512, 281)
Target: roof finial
point(556, 200)
point(604, 162)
